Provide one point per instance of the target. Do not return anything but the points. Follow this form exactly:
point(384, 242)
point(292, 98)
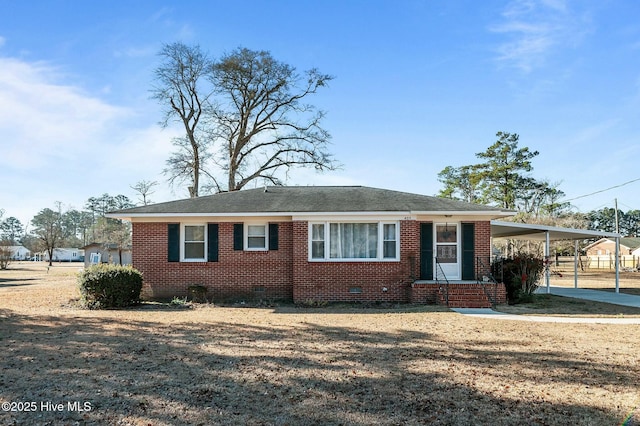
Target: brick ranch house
point(347, 244)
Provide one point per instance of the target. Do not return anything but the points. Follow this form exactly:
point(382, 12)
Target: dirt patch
point(287, 365)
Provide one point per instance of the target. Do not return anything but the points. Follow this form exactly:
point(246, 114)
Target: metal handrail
point(490, 277)
point(446, 288)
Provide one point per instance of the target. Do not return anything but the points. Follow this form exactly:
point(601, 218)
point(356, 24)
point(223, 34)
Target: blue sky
point(419, 85)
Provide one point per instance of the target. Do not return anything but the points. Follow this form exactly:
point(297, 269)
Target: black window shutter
point(238, 236)
point(468, 251)
point(212, 242)
point(426, 251)
point(173, 242)
point(273, 236)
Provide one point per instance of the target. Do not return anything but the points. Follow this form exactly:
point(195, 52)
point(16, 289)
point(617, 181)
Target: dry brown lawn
point(590, 279)
point(157, 365)
point(598, 280)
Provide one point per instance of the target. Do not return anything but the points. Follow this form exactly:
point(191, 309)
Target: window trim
point(395, 239)
point(245, 237)
point(327, 243)
point(182, 243)
point(323, 240)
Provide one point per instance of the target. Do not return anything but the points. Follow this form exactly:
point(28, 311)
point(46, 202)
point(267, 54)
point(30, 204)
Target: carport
point(526, 231)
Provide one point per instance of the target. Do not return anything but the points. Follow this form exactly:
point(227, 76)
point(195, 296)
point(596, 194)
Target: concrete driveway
point(577, 293)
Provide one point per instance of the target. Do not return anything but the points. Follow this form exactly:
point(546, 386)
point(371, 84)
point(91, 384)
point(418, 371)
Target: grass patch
point(548, 304)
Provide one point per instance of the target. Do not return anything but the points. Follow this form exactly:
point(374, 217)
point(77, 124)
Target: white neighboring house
point(18, 252)
point(64, 255)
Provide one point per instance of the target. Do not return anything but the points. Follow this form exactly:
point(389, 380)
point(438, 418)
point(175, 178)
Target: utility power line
point(600, 191)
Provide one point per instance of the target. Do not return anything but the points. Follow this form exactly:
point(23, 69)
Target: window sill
point(358, 260)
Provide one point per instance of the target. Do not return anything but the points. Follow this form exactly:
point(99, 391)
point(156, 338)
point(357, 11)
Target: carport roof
point(526, 231)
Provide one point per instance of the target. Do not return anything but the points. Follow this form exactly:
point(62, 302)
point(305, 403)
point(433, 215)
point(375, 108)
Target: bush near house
point(521, 275)
point(110, 286)
point(5, 257)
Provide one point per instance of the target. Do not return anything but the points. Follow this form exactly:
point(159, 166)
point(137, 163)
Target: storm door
point(447, 259)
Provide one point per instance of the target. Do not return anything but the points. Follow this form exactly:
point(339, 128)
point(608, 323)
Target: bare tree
point(245, 113)
point(144, 189)
point(181, 89)
point(50, 229)
point(262, 120)
point(5, 256)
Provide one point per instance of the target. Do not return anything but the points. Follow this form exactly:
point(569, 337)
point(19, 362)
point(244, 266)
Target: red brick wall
point(483, 239)
point(237, 274)
point(332, 281)
point(482, 247)
point(285, 273)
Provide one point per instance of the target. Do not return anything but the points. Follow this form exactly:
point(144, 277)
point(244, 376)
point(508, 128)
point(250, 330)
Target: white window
point(194, 241)
point(389, 242)
point(353, 241)
point(317, 241)
point(256, 237)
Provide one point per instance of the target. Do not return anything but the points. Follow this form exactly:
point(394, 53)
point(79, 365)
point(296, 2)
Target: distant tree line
point(55, 227)
point(605, 220)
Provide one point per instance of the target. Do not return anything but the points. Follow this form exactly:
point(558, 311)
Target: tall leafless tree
point(262, 119)
point(245, 113)
point(182, 88)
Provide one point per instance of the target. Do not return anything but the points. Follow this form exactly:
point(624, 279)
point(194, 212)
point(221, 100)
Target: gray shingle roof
point(307, 199)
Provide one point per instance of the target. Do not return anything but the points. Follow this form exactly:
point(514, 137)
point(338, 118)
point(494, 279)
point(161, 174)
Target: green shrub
point(181, 302)
point(109, 286)
point(521, 277)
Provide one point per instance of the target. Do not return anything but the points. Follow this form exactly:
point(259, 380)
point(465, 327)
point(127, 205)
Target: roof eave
point(492, 213)
point(488, 213)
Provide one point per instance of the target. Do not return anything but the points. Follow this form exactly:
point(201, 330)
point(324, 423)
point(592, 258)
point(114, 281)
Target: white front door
point(447, 243)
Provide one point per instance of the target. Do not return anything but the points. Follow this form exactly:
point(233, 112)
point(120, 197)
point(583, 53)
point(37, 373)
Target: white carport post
point(547, 271)
point(575, 264)
point(618, 264)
